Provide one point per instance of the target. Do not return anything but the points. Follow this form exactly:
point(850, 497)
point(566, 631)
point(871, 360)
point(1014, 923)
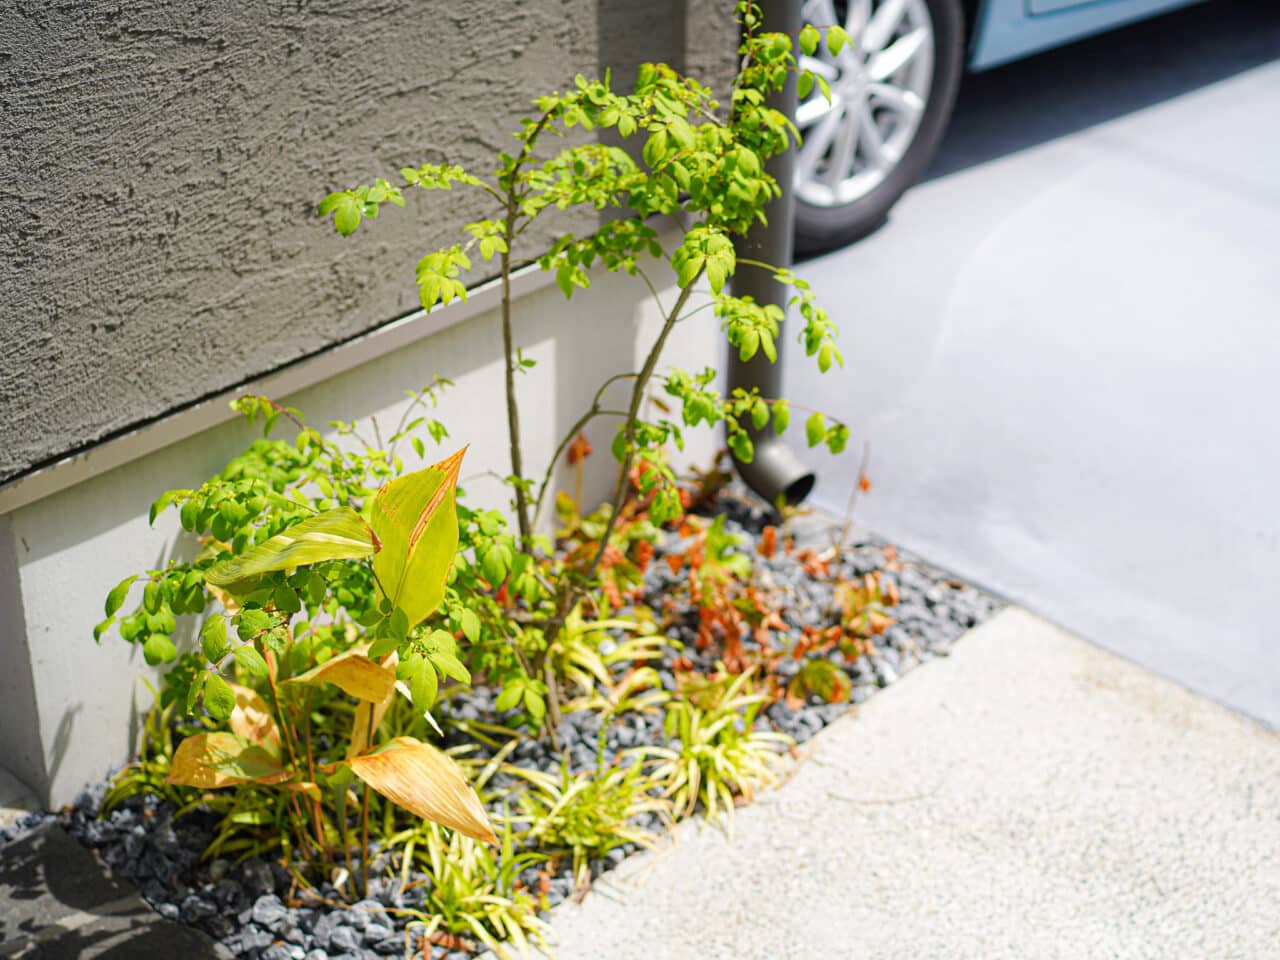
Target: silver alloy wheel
point(879, 91)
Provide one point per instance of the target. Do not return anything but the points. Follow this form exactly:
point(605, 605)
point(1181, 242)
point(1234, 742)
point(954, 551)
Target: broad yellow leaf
point(415, 519)
point(369, 714)
point(427, 783)
point(355, 674)
point(251, 720)
point(210, 760)
point(339, 534)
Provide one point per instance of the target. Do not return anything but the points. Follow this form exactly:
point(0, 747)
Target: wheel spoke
point(843, 148)
point(882, 25)
point(856, 20)
point(820, 13)
point(815, 109)
point(906, 103)
point(870, 140)
point(816, 142)
point(880, 86)
point(886, 63)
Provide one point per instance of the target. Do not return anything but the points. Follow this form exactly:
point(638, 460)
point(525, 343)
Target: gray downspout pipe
point(774, 471)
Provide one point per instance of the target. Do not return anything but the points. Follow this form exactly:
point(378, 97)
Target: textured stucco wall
point(160, 161)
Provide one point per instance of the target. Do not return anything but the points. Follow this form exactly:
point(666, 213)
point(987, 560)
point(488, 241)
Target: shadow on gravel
point(58, 903)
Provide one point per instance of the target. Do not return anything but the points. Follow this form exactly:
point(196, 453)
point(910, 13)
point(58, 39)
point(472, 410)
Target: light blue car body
point(1009, 29)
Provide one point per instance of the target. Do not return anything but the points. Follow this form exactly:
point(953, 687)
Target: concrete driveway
point(1064, 349)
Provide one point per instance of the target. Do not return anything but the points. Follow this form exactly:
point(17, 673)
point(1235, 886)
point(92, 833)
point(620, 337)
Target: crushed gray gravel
point(243, 904)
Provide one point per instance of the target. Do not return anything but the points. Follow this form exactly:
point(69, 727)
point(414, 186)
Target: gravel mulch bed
point(244, 904)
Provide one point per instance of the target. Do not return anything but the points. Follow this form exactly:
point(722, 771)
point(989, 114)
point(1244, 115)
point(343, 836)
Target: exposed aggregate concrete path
point(1030, 797)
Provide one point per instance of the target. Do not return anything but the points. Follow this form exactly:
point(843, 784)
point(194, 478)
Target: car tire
point(901, 80)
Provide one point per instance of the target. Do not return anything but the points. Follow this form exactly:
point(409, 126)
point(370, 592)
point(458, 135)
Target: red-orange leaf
point(768, 542)
point(579, 449)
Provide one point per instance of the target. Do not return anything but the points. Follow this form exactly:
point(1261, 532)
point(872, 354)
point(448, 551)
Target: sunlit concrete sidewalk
point(1029, 797)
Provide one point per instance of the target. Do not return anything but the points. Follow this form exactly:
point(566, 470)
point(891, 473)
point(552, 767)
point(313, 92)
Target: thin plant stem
point(637, 397)
point(576, 591)
point(509, 183)
point(285, 735)
point(513, 413)
point(847, 526)
point(317, 811)
point(592, 412)
point(364, 841)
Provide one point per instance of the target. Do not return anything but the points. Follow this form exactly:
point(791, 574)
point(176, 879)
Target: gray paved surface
point(1063, 349)
point(1030, 797)
point(58, 903)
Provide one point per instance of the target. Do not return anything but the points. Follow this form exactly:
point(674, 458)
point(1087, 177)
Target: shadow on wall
point(1084, 84)
point(629, 34)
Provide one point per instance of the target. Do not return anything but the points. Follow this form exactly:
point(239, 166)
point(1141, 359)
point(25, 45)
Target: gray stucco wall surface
point(160, 162)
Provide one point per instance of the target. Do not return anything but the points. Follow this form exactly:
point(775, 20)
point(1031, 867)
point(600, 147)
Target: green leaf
point(781, 415)
point(193, 691)
point(715, 274)
point(339, 534)
point(286, 599)
point(131, 626)
point(494, 565)
point(162, 621)
point(809, 39)
point(655, 148)
point(415, 519)
point(398, 624)
point(509, 697)
point(158, 648)
point(383, 644)
point(824, 357)
point(470, 624)
point(115, 599)
point(837, 438)
point(534, 703)
point(804, 85)
point(815, 429)
point(759, 414)
point(423, 683)
point(451, 666)
point(102, 628)
point(837, 39)
point(347, 210)
point(253, 622)
point(742, 447)
point(213, 638)
point(249, 658)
